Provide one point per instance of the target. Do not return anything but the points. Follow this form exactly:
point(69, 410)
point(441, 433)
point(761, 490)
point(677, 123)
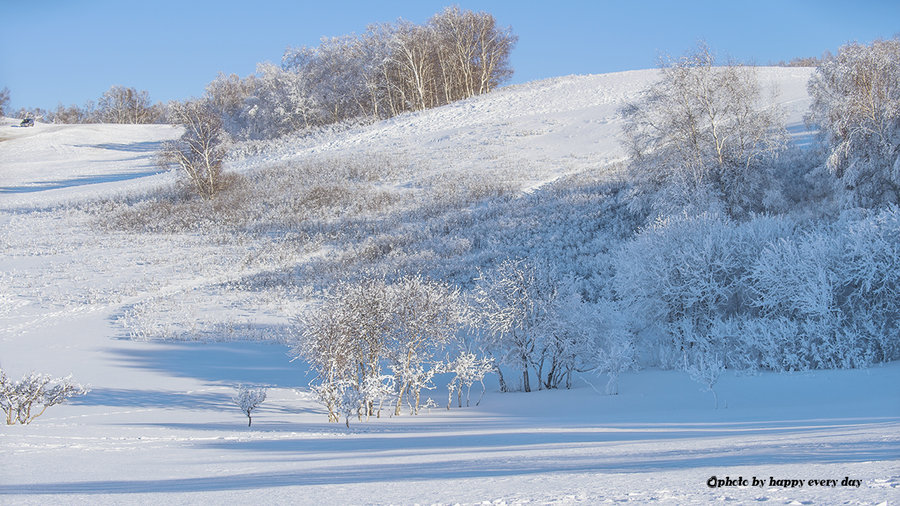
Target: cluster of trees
point(372, 342)
point(388, 70)
point(703, 138)
point(119, 104)
point(711, 284)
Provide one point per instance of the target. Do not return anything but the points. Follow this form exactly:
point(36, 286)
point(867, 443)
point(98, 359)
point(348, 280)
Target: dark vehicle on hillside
point(27, 122)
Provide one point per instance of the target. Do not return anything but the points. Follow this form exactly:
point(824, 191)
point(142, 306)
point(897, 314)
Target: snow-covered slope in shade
point(159, 425)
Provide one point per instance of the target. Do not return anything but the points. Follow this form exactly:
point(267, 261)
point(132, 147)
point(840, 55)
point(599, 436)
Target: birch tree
point(201, 150)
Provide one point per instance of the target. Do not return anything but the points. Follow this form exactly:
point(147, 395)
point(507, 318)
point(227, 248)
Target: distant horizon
point(62, 51)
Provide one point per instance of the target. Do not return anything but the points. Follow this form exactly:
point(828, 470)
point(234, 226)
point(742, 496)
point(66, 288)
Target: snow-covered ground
point(159, 425)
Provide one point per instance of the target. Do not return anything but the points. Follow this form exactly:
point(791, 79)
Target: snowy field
point(162, 328)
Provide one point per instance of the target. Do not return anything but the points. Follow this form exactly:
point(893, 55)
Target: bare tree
point(126, 105)
point(856, 102)
point(202, 148)
point(703, 130)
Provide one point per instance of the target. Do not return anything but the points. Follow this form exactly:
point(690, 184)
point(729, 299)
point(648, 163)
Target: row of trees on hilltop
point(390, 69)
point(118, 104)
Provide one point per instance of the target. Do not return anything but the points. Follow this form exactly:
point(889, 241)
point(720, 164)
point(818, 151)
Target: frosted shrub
point(24, 400)
point(687, 273)
point(840, 286)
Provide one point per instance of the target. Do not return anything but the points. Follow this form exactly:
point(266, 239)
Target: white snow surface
point(159, 425)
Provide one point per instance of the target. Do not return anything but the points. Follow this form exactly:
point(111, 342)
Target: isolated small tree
point(249, 398)
point(703, 135)
point(28, 398)
point(705, 367)
point(201, 150)
point(4, 101)
point(856, 103)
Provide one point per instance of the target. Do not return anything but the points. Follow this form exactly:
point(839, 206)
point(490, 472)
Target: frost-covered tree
point(530, 317)
point(705, 367)
point(424, 316)
point(467, 368)
point(856, 103)
point(249, 398)
point(472, 52)
point(508, 312)
point(565, 338)
point(702, 137)
point(344, 341)
point(24, 400)
point(613, 352)
point(280, 102)
point(121, 104)
point(201, 150)
point(226, 96)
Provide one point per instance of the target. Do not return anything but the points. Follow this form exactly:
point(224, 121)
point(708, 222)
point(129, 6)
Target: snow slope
point(159, 425)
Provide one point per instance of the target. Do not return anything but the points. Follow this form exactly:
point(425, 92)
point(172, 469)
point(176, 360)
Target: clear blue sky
point(71, 51)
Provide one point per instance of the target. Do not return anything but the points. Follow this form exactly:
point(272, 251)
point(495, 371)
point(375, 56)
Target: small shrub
point(28, 398)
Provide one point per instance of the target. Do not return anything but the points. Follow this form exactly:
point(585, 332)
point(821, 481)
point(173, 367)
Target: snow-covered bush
point(839, 286)
point(765, 293)
point(702, 137)
point(249, 398)
point(856, 103)
point(24, 400)
point(682, 274)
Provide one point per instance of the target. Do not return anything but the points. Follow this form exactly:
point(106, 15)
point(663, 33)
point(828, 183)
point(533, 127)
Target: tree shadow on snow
point(121, 397)
point(221, 363)
point(508, 464)
point(78, 181)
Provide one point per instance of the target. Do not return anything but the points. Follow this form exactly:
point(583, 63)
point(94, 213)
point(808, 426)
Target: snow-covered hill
point(79, 291)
